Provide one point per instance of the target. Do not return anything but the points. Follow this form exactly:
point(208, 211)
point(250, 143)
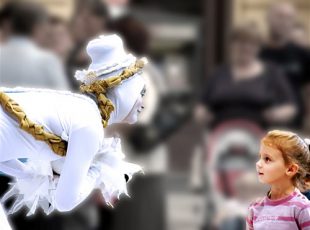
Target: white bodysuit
point(75, 118)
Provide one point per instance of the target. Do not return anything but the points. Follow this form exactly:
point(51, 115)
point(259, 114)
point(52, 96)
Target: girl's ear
point(292, 170)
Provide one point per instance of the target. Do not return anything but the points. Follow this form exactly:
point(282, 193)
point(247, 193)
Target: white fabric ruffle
point(34, 191)
point(113, 168)
point(38, 190)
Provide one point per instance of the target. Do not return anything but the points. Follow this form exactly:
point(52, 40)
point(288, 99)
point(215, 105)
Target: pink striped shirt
point(289, 213)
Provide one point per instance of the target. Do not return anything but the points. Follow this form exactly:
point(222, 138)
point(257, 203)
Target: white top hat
point(108, 55)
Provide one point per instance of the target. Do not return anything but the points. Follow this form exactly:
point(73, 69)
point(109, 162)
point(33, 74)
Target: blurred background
point(221, 73)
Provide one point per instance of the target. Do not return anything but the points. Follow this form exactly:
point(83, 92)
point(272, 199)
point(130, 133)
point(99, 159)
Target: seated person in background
point(246, 88)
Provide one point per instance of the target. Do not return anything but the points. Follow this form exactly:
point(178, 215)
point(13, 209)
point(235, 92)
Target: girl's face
point(132, 117)
point(271, 166)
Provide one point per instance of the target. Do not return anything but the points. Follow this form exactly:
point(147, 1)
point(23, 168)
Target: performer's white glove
point(113, 171)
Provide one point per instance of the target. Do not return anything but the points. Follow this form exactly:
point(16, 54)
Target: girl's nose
point(258, 164)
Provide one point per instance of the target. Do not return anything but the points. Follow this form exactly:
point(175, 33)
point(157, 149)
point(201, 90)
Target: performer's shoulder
point(46, 91)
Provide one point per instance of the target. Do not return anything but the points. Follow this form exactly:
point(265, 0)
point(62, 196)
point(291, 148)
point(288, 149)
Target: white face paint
point(138, 107)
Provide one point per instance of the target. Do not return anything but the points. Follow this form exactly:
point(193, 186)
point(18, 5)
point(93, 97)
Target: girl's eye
point(267, 159)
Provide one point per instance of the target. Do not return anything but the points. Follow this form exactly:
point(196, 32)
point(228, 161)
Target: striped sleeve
point(304, 218)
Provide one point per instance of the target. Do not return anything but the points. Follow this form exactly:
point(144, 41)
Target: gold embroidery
point(37, 131)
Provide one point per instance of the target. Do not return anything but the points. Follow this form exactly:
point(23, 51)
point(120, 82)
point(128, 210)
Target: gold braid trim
point(99, 88)
point(37, 131)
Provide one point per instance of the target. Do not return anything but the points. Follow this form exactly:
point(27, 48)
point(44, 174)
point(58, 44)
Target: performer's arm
point(77, 178)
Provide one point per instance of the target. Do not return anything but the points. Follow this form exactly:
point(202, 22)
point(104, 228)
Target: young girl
point(284, 164)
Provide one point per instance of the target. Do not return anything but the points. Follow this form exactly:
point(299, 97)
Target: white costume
point(91, 160)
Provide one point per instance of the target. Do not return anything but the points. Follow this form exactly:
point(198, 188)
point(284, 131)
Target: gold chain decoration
point(99, 88)
point(37, 131)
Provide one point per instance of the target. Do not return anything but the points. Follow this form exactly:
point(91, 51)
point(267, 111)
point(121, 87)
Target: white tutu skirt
point(37, 191)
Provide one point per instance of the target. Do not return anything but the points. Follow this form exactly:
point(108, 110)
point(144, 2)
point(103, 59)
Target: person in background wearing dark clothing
point(136, 37)
point(307, 193)
point(293, 59)
point(60, 39)
point(299, 37)
point(5, 21)
point(89, 20)
point(246, 88)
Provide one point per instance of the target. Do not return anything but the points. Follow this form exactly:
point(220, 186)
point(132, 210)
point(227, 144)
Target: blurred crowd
point(264, 83)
